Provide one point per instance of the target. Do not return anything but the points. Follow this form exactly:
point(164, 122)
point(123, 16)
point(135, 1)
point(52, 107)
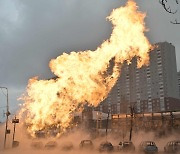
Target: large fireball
point(82, 77)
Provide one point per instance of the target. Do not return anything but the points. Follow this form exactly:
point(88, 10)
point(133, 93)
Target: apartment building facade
point(152, 88)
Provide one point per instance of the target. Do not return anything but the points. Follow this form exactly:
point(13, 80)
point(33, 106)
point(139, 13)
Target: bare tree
point(168, 9)
point(175, 22)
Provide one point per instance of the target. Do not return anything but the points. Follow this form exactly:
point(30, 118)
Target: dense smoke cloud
point(75, 137)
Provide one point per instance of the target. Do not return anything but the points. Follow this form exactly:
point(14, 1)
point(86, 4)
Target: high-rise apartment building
point(152, 88)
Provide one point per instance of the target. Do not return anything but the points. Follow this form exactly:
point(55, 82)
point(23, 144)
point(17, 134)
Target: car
point(50, 145)
point(148, 147)
point(15, 144)
point(106, 147)
point(172, 147)
point(86, 144)
point(126, 146)
point(67, 146)
point(37, 145)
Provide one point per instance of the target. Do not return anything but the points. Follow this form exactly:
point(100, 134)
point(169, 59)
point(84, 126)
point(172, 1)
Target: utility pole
point(132, 114)
point(7, 131)
point(15, 121)
point(172, 119)
point(97, 124)
point(107, 124)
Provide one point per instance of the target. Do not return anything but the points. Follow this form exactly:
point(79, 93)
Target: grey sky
point(34, 31)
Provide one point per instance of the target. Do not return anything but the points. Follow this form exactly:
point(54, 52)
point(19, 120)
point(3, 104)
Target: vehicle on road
point(67, 146)
point(106, 147)
point(172, 147)
point(50, 145)
point(37, 145)
point(148, 147)
point(86, 144)
point(126, 146)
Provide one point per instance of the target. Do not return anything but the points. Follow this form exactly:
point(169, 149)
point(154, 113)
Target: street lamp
point(98, 122)
point(15, 143)
point(107, 124)
point(7, 131)
point(132, 112)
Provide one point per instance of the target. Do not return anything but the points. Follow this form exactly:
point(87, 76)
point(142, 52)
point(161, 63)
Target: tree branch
point(175, 22)
point(168, 9)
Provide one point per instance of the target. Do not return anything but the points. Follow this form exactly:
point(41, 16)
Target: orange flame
point(82, 77)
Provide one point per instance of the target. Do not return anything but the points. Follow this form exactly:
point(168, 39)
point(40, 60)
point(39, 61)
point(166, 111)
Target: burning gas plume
point(83, 77)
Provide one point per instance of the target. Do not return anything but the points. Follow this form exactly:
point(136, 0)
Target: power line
point(3, 92)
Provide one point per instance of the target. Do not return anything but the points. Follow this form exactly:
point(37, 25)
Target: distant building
point(152, 88)
point(179, 82)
